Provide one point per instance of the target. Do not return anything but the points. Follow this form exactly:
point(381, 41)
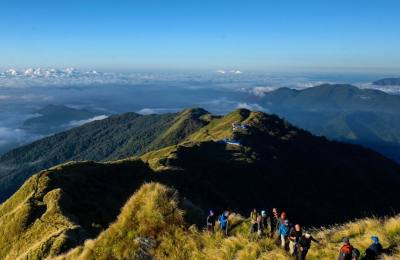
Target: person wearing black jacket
point(304, 245)
point(294, 237)
point(211, 221)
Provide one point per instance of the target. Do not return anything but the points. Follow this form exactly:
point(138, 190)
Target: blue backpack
point(284, 230)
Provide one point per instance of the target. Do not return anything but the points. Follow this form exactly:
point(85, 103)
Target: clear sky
point(201, 34)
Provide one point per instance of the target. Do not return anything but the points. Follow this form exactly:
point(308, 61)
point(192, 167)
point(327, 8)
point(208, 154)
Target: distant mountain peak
point(387, 82)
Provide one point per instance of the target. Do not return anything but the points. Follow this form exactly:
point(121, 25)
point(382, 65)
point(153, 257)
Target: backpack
point(284, 230)
point(346, 252)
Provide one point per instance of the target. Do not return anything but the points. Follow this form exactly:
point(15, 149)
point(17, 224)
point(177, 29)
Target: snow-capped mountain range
point(39, 72)
point(58, 77)
point(74, 77)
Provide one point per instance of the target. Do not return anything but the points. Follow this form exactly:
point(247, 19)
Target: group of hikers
point(290, 237)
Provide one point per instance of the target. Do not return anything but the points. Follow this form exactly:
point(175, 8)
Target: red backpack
point(346, 252)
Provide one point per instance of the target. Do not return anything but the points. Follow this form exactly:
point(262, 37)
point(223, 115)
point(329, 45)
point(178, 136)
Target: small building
point(231, 142)
point(237, 126)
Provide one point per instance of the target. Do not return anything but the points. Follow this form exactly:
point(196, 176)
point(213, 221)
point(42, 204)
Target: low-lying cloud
point(223, 72)
point(260, 91)
point(147, 111)
point(251, 106)
point(10, 138)
point(76, 123)
point(26, 98)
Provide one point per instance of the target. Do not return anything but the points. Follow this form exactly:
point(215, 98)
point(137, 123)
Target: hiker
point(253, 219)
point(273, 222)
point(264, 221)
point(374, 250)
point(284, 233)
point(346, 251)
point(223, 222)
point(211, 221)
point(279, 222)
point(282, 219)
point(303, 246)
point(260, 224)
point(294, 236)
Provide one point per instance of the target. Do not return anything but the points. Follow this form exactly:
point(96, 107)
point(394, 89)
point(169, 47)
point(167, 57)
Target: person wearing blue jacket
point(374, 250)
point(284, 233)
point(224, 222)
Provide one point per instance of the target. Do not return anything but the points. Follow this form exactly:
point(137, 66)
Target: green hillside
point(275, 165)
point(116, 137)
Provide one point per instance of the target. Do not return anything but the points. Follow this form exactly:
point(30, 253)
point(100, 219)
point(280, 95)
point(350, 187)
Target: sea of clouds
point(22, 92)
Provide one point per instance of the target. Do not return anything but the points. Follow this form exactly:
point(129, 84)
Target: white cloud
point(388, 89)
point(260, 91)
point(5, 97)
point(223, 72)
point(147, 111)
point(76, 123)
point(7, 135)
point(253, 106)
point(220, 102)
point(18, 136)
point(24, 98)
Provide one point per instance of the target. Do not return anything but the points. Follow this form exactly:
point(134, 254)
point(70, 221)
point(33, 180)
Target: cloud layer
point(13, 137)
point(76, 123)
point(251, 106)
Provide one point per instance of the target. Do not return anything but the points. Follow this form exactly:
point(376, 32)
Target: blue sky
point(247, 35)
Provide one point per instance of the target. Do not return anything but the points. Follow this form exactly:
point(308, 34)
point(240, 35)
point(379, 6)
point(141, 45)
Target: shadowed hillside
point(60, 208)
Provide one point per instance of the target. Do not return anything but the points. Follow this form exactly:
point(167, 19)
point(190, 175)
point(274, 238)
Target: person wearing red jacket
point(346, 251)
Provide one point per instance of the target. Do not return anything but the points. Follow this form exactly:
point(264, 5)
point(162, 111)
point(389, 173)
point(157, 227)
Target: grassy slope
point(152, 213)
point(217, 129)
point(59, 208)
